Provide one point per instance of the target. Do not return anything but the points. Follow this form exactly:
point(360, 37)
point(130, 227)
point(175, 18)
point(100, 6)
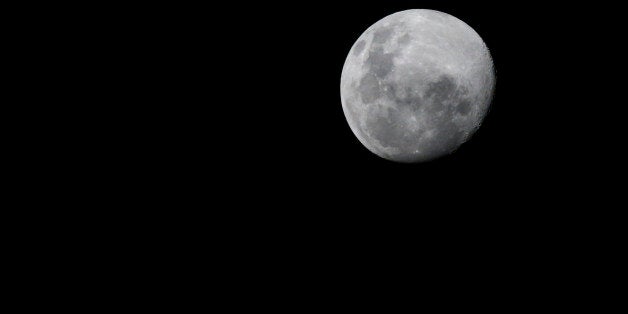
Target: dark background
point(187, 135)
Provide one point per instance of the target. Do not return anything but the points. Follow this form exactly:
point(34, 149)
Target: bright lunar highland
point(416, 85)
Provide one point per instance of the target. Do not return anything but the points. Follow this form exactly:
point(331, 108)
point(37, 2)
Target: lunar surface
point(416, 85)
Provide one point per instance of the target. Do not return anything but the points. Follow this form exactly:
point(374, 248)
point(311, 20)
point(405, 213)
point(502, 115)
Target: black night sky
point(208, 139)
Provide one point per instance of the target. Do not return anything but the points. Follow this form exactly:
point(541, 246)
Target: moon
point(416, 85)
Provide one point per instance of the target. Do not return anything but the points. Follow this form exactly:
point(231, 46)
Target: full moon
point(416, 85)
